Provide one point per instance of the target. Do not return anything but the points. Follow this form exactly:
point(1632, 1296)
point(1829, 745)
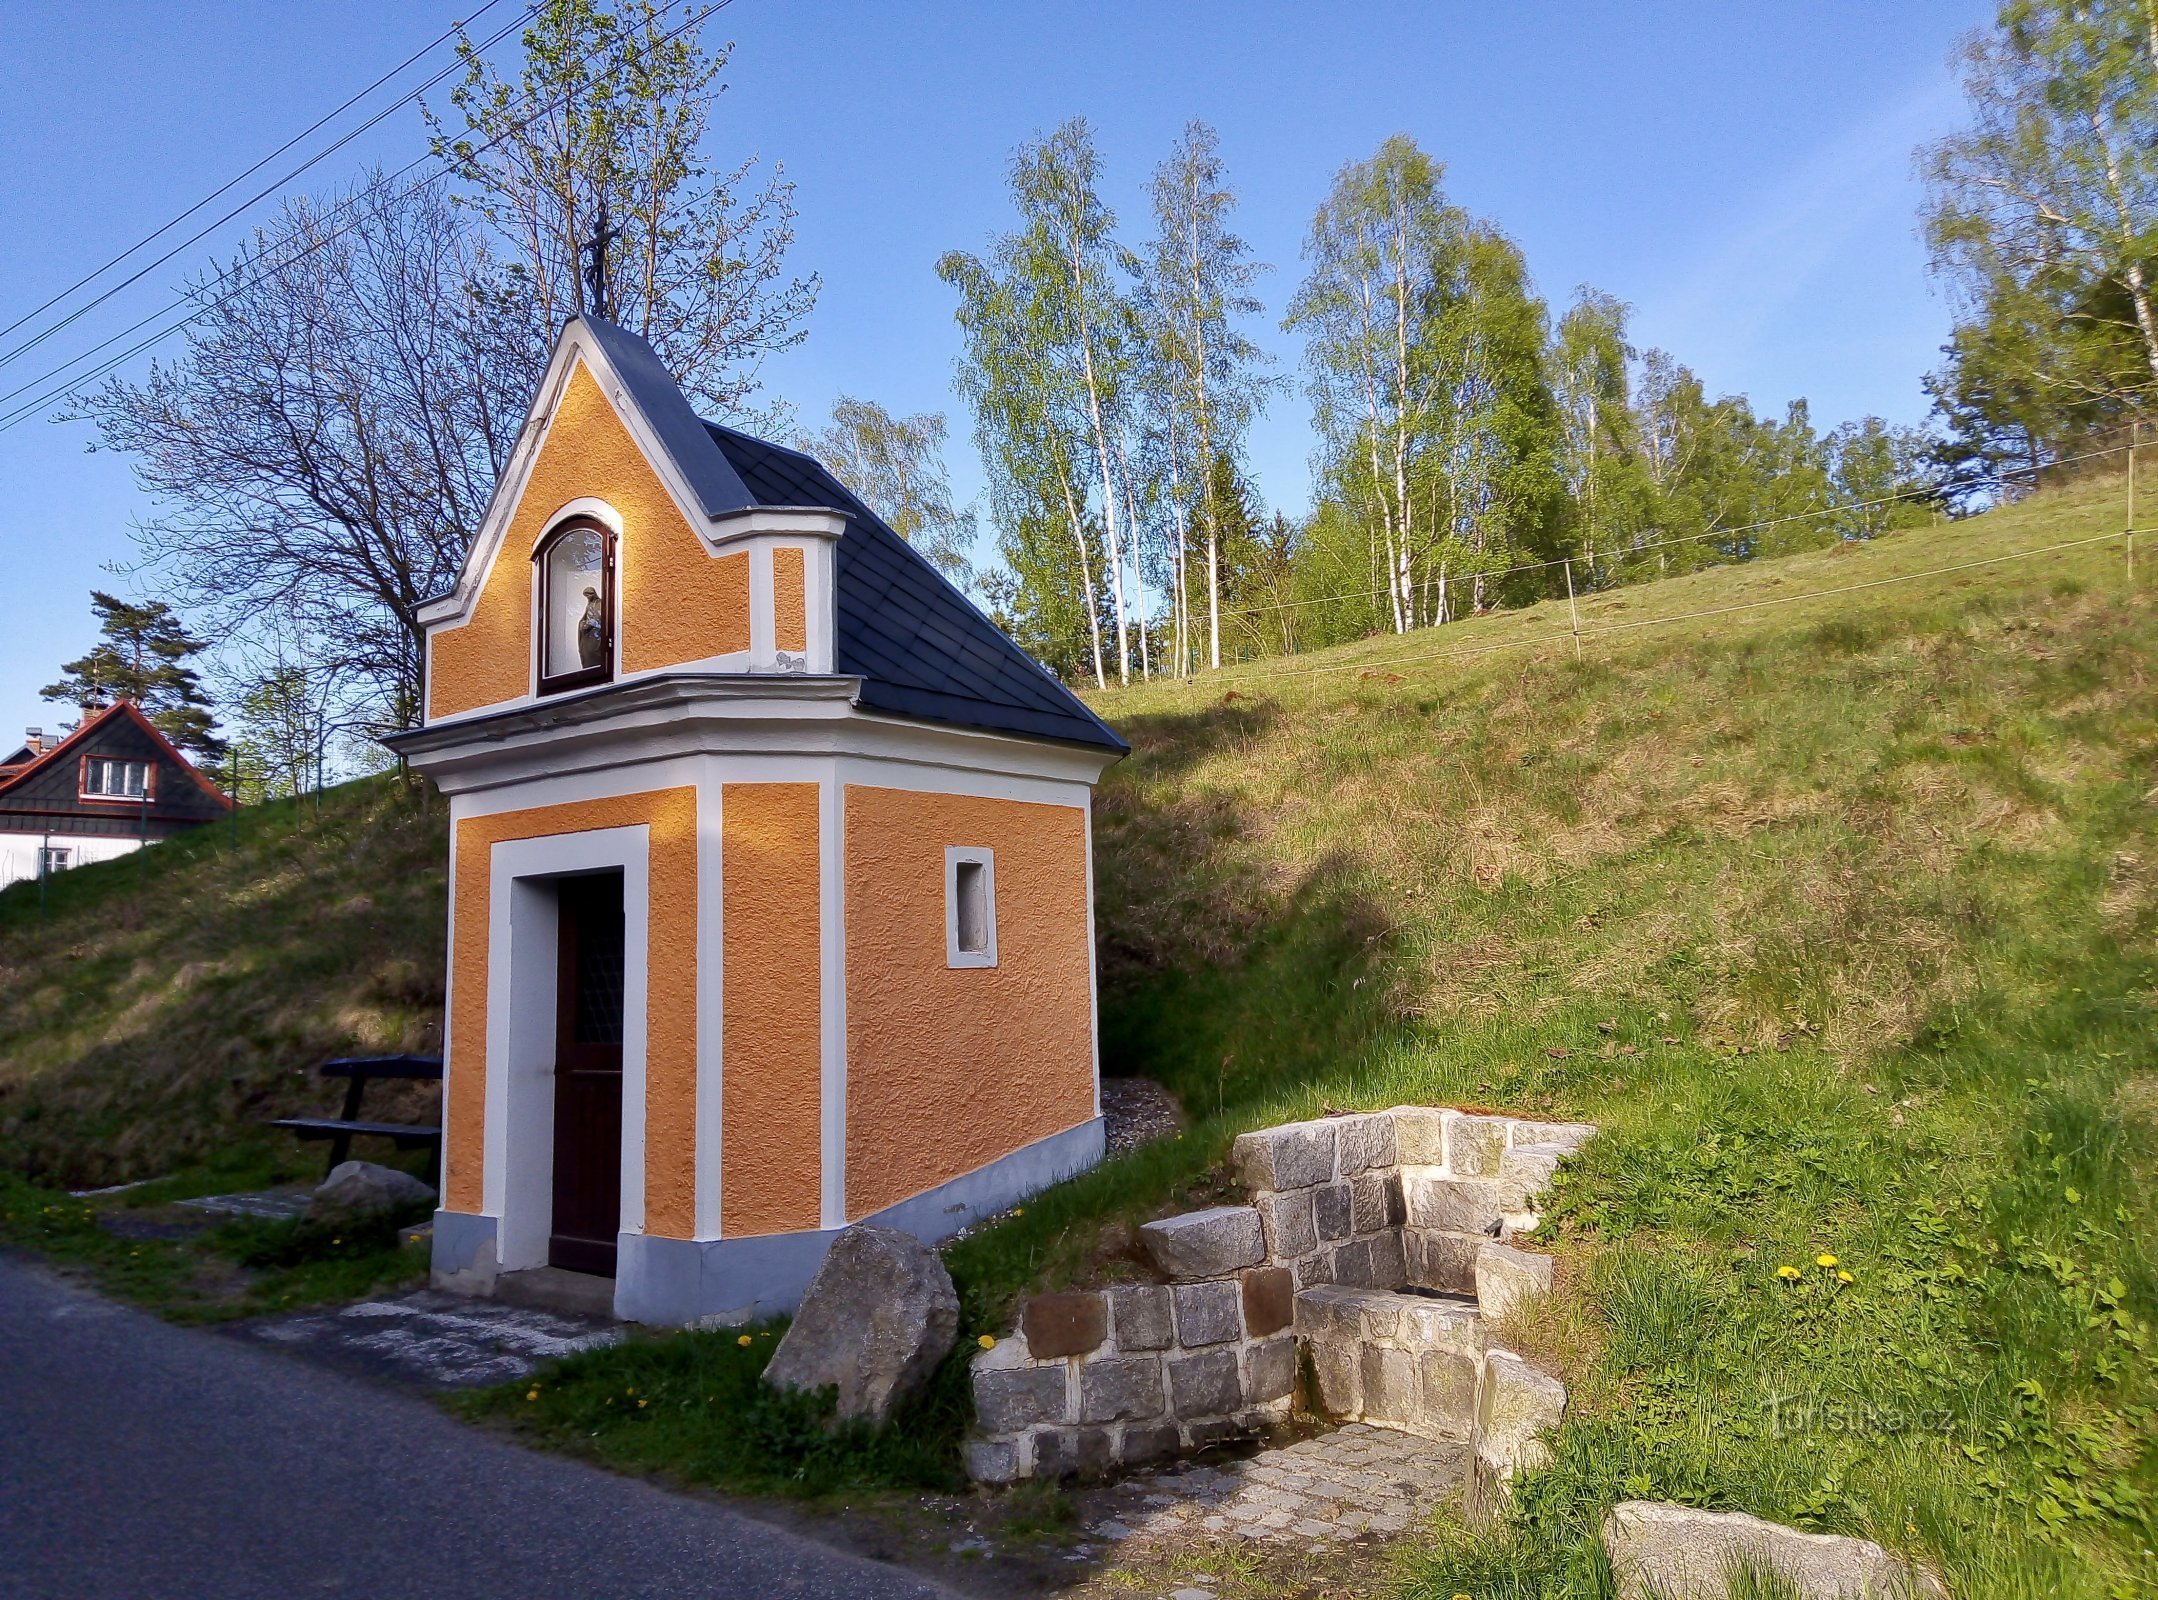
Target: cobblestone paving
point(1353, 1481)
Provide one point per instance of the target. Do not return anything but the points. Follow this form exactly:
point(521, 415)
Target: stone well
point(1377, 1245)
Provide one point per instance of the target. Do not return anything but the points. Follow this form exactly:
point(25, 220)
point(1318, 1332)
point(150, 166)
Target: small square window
point(52, 858)
point(970, 907)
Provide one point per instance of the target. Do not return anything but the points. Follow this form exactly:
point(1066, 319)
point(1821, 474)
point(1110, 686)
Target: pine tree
point(142, 656)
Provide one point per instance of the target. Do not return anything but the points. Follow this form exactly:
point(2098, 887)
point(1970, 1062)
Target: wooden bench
point(358, 1072)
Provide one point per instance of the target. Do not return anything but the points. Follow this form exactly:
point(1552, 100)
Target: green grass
point(691, 1405)
point(240, 1268)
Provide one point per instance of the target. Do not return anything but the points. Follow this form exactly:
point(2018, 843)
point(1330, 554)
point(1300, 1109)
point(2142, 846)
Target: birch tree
point(2042, 214)
point(1027, 427)
point(1067, 253)
point(896, 464)
point(1210, 381)
point(1589, 370)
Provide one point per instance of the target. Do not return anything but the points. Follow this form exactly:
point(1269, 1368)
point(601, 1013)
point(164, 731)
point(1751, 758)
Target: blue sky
point(1740, 174)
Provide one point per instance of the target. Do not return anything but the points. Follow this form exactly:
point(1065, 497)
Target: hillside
point(1836, 913)
point(1835, 910)
point(161, 1006)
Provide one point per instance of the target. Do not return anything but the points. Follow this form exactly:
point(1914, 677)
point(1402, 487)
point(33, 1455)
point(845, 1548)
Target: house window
point(104, 778)
point(576, 622)
point(970, 907)
point(53, 858)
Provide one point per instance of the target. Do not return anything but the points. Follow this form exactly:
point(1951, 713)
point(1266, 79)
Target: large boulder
point(877, 1318)
point(358, 1190)
point(1680, 1553)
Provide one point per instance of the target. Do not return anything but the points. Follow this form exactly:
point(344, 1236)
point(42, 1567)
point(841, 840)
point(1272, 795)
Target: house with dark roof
point(770, 870)
point(112, 785)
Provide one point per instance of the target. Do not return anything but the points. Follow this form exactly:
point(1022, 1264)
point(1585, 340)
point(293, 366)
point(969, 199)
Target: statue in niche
point(592, 631)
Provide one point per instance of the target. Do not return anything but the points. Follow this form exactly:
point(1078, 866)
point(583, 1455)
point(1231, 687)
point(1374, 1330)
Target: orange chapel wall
point(949, 1069)
point(771, 966)
point(677, 601)
point(670, 1161)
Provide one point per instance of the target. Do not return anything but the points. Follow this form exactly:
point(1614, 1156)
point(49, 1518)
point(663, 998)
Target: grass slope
point(159, 1007)
point(1836, 914)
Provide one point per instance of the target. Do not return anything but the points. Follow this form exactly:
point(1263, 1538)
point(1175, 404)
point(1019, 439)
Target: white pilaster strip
point(833, 974)
point(711, 1000)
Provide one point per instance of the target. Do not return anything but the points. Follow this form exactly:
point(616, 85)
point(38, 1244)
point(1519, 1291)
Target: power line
point(313, 127)
point(29, 408)
point(197, 237)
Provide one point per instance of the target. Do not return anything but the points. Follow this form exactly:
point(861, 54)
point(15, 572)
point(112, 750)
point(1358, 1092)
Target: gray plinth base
point(677, 1282)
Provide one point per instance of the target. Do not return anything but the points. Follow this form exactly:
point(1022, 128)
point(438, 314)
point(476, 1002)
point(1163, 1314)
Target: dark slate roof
point(919, 646)
point(664, 405)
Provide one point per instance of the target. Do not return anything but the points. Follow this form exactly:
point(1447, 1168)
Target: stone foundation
point(1376, 1243)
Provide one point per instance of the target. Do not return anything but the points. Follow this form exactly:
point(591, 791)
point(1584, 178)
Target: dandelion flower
point(532, 1394)
point(1824, 1260)
point(1019, 1211)
point(743, 1341)
point(642, 1404)
point(1843, 1277)
point(1787, 1272)
point(987, 1341)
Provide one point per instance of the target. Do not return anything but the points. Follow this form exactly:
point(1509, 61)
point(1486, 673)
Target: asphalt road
point(143, 1460)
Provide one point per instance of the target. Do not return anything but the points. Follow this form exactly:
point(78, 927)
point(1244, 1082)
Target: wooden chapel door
point(588, 1076)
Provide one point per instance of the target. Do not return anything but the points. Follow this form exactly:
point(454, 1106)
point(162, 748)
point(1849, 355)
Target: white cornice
point(657, 719)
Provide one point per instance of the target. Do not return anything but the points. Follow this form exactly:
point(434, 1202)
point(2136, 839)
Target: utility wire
point(20, 413)
point(229, 184)
point(259, 195)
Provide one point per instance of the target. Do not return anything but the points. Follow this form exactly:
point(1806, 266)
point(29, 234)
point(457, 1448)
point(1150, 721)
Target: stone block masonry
point(1381, 1244)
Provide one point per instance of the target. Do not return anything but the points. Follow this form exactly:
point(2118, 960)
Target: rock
point(1269, 1300)
point(357, 1190)
point(1389, 1385)
point(1442, 1261)
point(1205, 1244)
point(1331, 1208)
point(1141, 1314)
point(1206, 1313)
point(1287, 1221)
point(1679, 1553)
point(993, 1461)
point(1525, 1175)
point(1205, 1385)
point(1419, 1135)
point(1455, 1205)
point(1475, 1145)
point(1154, 1442)
point(1064, 1324)
point(877, 1318)
point(1270, 1371)
point(1295, 1155)
point(1008, 1401)
point(1120, 1391)
point(1073, 1452)
point(1364, 1142)
point(1507, 1278)
point(1515, 1405)
point(1569, 1136)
